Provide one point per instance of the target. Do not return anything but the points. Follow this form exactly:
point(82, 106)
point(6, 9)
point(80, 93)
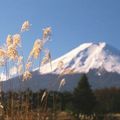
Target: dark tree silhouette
point(83, 97)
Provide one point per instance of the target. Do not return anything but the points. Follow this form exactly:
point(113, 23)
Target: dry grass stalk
point(10, 55)
point(25, 26)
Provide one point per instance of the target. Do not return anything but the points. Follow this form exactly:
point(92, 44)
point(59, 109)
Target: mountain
point(88, 56)
point(100, 61)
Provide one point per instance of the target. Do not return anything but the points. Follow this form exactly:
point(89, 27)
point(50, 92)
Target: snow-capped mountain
point(101, 62)
point(86, 57)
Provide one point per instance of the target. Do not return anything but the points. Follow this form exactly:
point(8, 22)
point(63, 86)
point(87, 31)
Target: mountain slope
point(86, 57)
point(100, 62)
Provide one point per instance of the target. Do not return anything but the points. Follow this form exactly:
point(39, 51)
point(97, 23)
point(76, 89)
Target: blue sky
point(73, 22)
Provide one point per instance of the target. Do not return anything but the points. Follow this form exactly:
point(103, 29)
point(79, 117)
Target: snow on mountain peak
point(102, 59)
point(86, 57)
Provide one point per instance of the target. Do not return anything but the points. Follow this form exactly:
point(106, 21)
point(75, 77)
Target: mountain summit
point(86, 57)
point(100, 61)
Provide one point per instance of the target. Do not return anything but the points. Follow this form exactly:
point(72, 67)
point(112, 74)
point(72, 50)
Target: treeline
point(108, 100)
point(82, 100)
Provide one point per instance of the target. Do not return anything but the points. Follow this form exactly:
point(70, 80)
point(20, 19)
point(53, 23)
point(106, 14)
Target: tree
point(83, 98)
point(108, 100)
point(66, 101)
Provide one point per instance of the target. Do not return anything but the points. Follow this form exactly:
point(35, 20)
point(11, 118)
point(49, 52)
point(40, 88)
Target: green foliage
point(66, 101)
point(108, 100)
point(84, 100)
point(81, 100)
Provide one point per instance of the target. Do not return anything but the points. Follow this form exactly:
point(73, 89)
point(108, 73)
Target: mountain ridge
point(100, 61)
point(88, 56)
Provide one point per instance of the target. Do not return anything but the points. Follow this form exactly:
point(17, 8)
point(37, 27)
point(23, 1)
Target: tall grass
point(12, 63)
